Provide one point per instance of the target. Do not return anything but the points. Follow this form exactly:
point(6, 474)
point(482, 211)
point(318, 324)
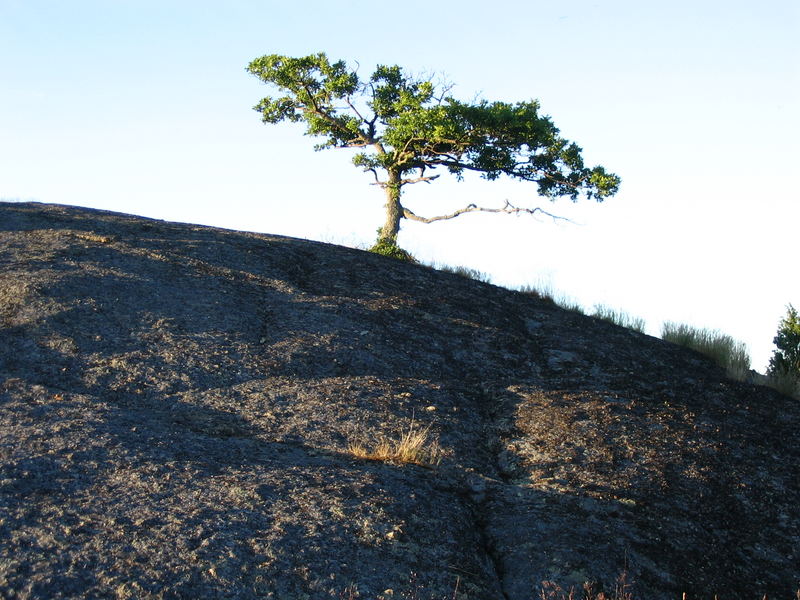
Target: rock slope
point(179, 404)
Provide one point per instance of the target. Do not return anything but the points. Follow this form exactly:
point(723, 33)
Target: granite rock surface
point(179, 405)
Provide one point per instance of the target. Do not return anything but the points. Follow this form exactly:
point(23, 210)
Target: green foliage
point(784, 366)
point(786, 358)
point(722, 348)
point(313, 86)
point(405, 127)
point(388, 247)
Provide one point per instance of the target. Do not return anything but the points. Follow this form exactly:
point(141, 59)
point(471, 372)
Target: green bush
point(722, 348)
point(389, 248)
point(786, 358)
point(784, 366)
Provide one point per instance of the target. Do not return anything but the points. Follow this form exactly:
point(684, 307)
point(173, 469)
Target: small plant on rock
point(412, 446)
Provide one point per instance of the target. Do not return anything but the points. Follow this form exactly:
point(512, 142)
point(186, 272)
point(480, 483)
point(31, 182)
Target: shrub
point(784, 366)
point(722, 348)
point(389, 248)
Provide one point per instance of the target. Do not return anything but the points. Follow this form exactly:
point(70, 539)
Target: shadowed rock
point(177, 405)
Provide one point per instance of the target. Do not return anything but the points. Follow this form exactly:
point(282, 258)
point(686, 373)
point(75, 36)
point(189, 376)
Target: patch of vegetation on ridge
point(720, 347)
point(618, 317)
point(388, 247)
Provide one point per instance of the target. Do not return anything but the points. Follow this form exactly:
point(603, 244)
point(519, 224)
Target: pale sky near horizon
point(144, 107)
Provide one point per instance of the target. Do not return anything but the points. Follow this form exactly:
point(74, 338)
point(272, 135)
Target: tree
point(785, 361)
point(407, 127)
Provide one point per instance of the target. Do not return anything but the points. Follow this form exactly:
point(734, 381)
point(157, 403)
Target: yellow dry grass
point(413, 446)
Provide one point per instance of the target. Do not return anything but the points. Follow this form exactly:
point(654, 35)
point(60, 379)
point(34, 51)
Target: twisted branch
point(508, 209)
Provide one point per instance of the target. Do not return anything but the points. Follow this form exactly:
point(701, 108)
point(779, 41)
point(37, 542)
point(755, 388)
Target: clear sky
point(144, 106)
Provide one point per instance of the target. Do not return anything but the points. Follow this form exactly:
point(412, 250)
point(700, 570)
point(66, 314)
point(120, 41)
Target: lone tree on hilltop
point(407, 127)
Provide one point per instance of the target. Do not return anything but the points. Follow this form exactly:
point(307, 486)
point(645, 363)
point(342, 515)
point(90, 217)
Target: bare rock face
point(180, 408)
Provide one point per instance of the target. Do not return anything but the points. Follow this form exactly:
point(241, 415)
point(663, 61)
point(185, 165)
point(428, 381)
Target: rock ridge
point(178, 403)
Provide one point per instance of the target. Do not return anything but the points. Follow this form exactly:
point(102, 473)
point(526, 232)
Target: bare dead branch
point(445, 89)
point(508, 209)
point(355, 110)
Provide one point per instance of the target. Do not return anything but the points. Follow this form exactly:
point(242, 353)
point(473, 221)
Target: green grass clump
point(722, 348)
point(618, 317)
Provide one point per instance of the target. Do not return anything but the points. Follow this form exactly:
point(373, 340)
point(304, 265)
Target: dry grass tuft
point(618, 317)
point(544, 291)
point(88, 236)
point(787, 384)
point(414, 446)
point(621, 591)
point(464, 272)
point(722, 348)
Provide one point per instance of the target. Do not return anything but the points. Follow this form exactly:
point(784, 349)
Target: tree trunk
point(394, 210)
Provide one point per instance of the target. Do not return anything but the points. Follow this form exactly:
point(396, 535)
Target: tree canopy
point(407, 127)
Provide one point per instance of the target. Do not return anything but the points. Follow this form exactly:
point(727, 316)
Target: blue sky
point(144, 107)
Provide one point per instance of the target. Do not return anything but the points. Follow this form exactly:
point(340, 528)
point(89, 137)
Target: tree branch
point(453, 162)
point(355, 143)
point(427, 179)
point(317, 110)
point(403, 181)
point(355, 110)
point(508, 209)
